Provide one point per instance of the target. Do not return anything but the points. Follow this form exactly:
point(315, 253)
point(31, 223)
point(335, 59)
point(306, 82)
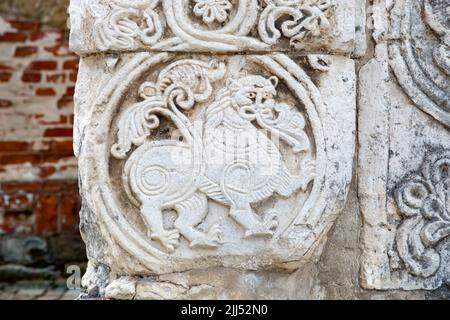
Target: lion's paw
point(209, 240)
point(168, 238)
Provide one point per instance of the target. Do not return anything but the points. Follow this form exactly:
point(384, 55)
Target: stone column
point(215, 142)
point(404, 155)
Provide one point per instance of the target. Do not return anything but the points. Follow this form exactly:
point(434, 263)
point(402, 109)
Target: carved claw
point(210, 240)
point(168, 238)
point(266, 228)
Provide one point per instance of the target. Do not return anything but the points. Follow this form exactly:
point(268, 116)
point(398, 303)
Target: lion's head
point(252, 95)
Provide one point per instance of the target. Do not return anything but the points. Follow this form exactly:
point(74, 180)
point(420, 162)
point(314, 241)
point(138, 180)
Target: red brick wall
point(38, 173)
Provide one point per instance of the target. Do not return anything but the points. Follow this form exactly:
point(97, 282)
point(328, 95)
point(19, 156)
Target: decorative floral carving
point(124, 26)
point(212, 10)
point(424, 200)
point(298, 19)
point(232, 26)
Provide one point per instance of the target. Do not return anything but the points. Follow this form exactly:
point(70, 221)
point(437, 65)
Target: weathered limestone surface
point(218, 26)
point(404, 156)
point(217, 148)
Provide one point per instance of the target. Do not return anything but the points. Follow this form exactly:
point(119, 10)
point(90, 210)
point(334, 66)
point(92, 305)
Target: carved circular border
point(420, 89)
point(315, 214)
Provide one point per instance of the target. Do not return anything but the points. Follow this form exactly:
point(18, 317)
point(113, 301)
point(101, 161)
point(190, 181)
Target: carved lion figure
point(228, 158)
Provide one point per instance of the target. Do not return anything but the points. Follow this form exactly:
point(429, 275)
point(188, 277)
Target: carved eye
point(251, 95)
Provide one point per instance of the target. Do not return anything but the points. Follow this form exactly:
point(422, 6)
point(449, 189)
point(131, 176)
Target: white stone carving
point(404, 143)
point(237, 159)
point(421, 64)
point(125, 25)
point(305, 17)
point(232, 163)
point(212, 10)
point(194, 25)
point(424, 200)
point(192, 156)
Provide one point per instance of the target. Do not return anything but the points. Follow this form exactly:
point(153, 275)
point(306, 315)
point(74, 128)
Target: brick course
point(38, 172)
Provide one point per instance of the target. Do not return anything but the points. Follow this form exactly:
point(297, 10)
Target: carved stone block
point(404, 155)
point(217, 25)
point(195, 158)
point(193, 162)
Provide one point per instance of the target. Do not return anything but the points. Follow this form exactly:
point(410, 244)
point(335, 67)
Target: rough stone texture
point(243, 243)
point(404, 156)
point(193, 26)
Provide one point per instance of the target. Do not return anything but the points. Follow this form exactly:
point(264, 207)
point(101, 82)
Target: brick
point(46, 213)
point(36, 35)
point(46, 171)
point(5, 103)
point(53, 158)
point(19, 202)
point(68, 167)
point(73, 76)
point(58, 132)
point(15, 146)
point(11, 187)
point(65, 146)
point(65, 102)
point(4, 67)
point(45, 92)
point(70, 91)
point(33, 77)
point(25, 25)
point(13, 37)
point(5, 76)
point(71, 64)
point(59, 50)
point(19, 159)
point(53, 186)
point(69, 210)
point(57, 78)
point(43, 65)
point(25, 51)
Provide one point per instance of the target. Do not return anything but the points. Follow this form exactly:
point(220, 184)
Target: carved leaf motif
point(425, 201)
point(135, 126)
point(298, 18)
point(180, 85)
point(124, 26)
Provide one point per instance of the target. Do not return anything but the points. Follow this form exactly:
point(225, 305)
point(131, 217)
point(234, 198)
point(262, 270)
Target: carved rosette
point(419, 54)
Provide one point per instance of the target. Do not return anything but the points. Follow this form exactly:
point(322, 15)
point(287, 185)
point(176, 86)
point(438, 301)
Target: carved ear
point(232, 84)
point(274, 81)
